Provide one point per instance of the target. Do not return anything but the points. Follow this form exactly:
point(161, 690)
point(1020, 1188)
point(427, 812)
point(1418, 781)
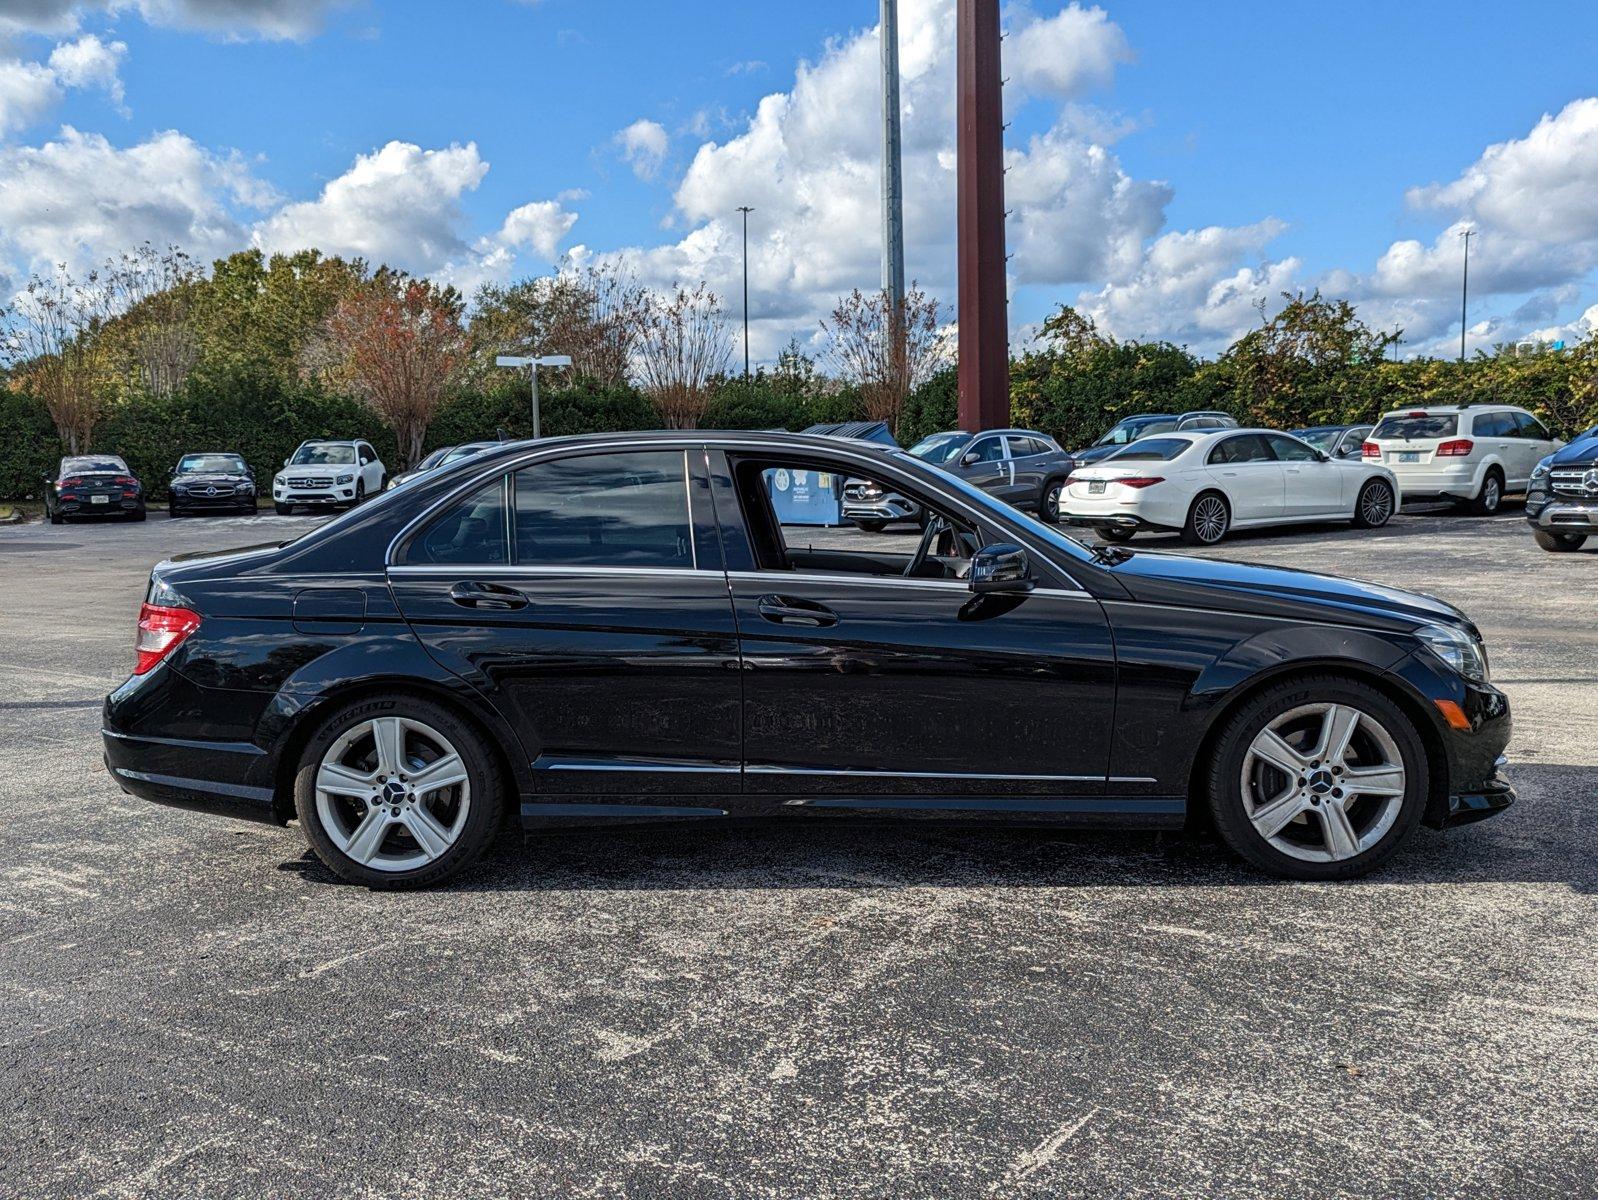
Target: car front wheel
point(1560, 542)
point(397, 793)
point(1318, 778)
point(871, 526)
point(283, 510)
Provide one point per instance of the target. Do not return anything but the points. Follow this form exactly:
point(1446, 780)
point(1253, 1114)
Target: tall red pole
point(984, 322)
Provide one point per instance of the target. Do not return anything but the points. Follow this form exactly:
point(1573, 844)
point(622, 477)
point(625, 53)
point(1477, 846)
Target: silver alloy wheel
point(1376, 505)
point(392, 794)
point(1209, 519)
point(1051, 502)
point(1323, 782)
point(1491, 494)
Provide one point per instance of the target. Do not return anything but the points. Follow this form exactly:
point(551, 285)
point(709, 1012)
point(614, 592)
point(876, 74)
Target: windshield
point(99, 462)
point(1321, 439)
point(317, 454)
point(940, 447)
point(192, 463)
point(1418, 425)
point(1151, 450)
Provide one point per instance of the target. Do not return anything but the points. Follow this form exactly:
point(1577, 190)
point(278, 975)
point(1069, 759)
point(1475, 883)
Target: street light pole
point(547, 360)
point(746, 210)
point(1464, 293)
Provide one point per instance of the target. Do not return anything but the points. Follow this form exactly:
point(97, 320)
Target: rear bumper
point(1430, 482)
point(112, 508)
point(1131, 522)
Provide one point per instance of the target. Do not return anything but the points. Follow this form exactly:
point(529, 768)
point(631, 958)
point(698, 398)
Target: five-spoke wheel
point(397, 793)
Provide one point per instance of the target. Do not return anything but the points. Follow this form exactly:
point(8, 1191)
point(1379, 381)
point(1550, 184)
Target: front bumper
point(329, 495)
point(1562, 514)
point(1487, 799)
point(890, 507)
point(234, 503)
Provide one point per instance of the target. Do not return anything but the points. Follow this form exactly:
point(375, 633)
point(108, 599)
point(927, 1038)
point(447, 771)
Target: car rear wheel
point(56, 517)
point(1491, 497)
point(397, 793)
point(1375, 506)
point(1318, 778)
point(1208, 520)
point(1049, 504)
point(1560, 542)
point(1111, 534)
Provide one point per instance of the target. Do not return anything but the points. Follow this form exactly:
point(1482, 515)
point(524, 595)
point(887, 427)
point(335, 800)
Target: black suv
point(1562, 499)
point(1020, 466)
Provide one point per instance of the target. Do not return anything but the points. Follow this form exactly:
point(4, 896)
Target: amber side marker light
point(1453, 714)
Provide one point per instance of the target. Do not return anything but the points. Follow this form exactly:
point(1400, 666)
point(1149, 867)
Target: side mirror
point(1001, 568)
point(969, 460)
point(1322, 456)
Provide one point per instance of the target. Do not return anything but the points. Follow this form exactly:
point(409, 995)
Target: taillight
point(69, 483)
point(1141, 481)
point(125, 481)
point(1457, 448)
point(161, 631)
point(1370, 450)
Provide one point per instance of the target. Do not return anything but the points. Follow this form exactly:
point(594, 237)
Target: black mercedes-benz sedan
point(617, 628)
point(211, 483)
point(93, 485)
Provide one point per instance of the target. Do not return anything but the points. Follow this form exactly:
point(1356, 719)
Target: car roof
point(1449, 410)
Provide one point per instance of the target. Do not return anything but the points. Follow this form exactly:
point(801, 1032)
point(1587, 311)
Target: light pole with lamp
point(547, 360)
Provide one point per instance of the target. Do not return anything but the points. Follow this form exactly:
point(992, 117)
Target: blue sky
point(1178, 160)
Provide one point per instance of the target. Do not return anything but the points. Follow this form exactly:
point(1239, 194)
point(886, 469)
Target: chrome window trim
point(872, 773)
point(423, 570)
point(639, 441)
point(959, 585)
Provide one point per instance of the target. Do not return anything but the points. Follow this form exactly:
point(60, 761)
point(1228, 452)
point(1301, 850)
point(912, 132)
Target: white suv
point(1474, 455)
point(325, 474)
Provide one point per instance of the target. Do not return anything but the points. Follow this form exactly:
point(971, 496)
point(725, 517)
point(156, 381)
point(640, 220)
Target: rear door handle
point(785, 610)
point(471, 594)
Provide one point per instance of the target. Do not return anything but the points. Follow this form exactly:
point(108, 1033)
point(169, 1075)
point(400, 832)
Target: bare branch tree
point(155, 289)
point(595, 314)
point(885, 353)
point(686, 345)
point(49, 340)
point(399, 344)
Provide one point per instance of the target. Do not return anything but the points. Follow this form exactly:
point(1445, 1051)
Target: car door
point(1248, 472)
point(866, 688)
point(1311, 488)
point(986, 464)
point(1029, 460)
point(1495, 435)
point(583, 595)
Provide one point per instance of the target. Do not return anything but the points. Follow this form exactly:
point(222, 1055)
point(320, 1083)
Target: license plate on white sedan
point(1409, 456)
point(1095, 487)
point(99, 499)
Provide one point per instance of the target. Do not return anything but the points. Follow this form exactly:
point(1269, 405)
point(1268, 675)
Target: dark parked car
point(98, 485)
point(1129, 430)
point(441, 457)
point(1021, 466)
point(1562, 498)
point(1336, 441)
point(616, 628)
point(211, 483)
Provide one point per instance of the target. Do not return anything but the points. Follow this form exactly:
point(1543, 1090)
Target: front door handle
point(785, 610)
point(472, 594)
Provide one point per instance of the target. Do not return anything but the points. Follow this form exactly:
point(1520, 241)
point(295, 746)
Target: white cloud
point(79, 199)
point(27, 92)
point(643, 145)
point(1065, 55)
point(91, 63)
point(272, 19)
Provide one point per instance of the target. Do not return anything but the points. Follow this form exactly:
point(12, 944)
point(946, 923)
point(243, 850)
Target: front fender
point(1287, 647)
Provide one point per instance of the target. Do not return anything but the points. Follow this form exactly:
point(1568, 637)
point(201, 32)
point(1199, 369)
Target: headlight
point(343, 479)
point(1458, 650)
point(247, 487)
point(1540, 471)
point(180, 489)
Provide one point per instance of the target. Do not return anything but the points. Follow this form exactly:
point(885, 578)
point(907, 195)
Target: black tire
point(1225, 787)
point(1370, 512)
point(482, 818)
point(55, 516)
point(871, 526)
point(1559, 543)
point(360, 494)
point(139, 515)
point(1049, 501)
point(1491, 497)
point(1111, 534)
point(1199, 529)
point(284, 510)
point(173, 512)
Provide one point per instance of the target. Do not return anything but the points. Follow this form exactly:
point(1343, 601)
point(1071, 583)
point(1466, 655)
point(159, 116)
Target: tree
point(885, 353)
point(684, 347)
point(398, 343)
point(49, 341)
point(596, 314)
point(155, 332)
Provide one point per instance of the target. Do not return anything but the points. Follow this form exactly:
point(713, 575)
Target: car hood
point(1279, 592)
point(201, 478)
point(1577, 454)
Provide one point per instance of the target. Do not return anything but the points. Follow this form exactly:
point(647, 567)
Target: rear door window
point(604, 510)
point(1494, 425)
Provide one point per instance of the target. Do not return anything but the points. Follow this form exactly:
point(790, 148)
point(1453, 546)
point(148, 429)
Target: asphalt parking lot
point(194, 1007)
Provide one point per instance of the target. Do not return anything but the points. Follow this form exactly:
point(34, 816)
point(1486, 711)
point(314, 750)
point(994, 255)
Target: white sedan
point(1203, 485)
